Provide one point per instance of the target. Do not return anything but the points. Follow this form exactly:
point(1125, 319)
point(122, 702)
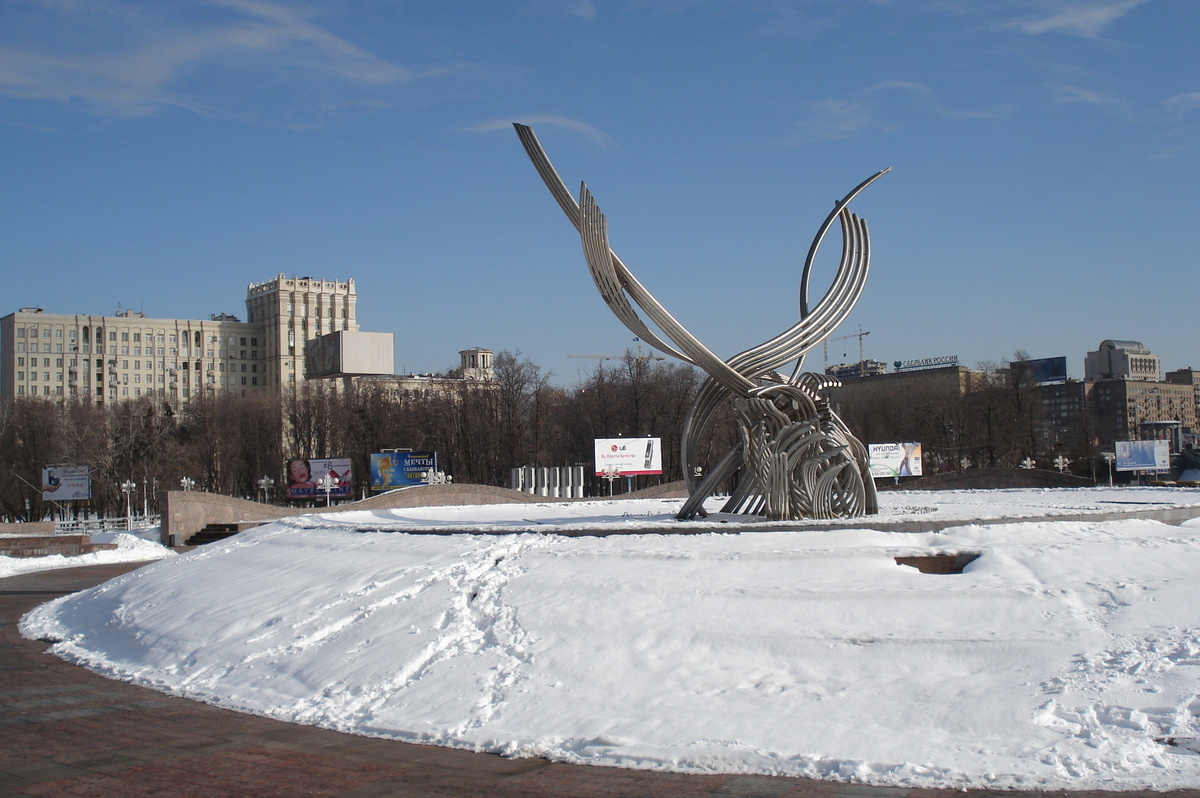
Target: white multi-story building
point(106, 359)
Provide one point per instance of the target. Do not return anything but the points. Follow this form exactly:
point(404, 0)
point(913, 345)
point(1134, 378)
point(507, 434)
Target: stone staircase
point(46, 545)
point(214, 532)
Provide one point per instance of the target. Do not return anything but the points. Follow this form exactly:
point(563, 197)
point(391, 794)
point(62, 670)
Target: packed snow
point(1066, 656)
point(131, 547)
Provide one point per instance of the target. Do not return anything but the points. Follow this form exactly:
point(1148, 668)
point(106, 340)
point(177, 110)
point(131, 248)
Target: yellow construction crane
point(859, 335)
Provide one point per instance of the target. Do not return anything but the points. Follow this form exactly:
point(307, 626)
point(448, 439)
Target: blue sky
point(159, 156)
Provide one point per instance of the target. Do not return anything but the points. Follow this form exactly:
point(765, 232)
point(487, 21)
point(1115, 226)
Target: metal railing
point(89, 526)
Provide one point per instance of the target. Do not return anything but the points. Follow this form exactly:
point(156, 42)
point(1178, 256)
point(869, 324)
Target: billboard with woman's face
point(306, 478)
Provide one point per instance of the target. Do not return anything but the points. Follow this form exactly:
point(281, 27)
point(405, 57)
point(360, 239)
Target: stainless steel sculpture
point(796, 458)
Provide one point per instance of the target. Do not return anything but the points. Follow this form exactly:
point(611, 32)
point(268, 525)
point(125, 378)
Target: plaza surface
point(1063, 658)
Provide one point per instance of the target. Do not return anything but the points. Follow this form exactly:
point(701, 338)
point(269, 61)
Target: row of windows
point(183, 339)
point(137, 377)
point(137, 364)
point(112, 391)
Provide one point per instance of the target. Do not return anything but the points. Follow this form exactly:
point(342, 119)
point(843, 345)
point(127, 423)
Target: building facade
point(106, 359)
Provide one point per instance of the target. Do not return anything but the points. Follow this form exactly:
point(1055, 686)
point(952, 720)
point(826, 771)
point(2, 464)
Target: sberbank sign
point(926, 363)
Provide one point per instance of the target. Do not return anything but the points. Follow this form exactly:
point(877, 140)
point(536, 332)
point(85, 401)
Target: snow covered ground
point(1062, 657)
point(131, 547)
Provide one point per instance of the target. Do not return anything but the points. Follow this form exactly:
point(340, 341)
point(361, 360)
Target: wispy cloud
point(592, 134)
point(883, 106)
point(1087, 18)
point(1183, 102)
point(131, 59)
point(1103, 100)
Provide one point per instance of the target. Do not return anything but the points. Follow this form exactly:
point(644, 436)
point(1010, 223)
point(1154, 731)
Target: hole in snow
point(939, 563)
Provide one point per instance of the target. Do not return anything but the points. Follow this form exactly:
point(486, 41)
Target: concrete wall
point(185, 513)
point(991, 479)
point(28, 528)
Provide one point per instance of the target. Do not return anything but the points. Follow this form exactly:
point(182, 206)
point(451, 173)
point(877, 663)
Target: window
point(20, 375)
point(171, 339)
point(137, 337)
point(160, 338)
point(20, 332)
point(243, 369)
point(46, 332)
point(124, 364)
point(20, 347)
point(243, 353)
point(20, 361)
point(112, 336)
point(124, 336)
point(58, 334)
point(137, 350)
point(243, 342)
point(124, 350)
point(33, 375)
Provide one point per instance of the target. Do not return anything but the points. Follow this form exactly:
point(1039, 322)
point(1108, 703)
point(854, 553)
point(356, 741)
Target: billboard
point(895, 459)
point(1043, 370)
point(65, 483)
point(349, 352)
point(628, 456)
point(391, 470)
point(1143, 456)
point(304, 477)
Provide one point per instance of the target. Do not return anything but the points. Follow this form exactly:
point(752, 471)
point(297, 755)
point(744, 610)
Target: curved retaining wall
point(993, 478)
point(185, 513)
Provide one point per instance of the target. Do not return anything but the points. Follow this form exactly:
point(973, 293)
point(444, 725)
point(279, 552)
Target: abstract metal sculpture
point(795, 458)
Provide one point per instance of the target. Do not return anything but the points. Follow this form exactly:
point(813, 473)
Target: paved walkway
point(65, 731)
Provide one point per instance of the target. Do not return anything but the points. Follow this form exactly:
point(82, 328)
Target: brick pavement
point(65, 731)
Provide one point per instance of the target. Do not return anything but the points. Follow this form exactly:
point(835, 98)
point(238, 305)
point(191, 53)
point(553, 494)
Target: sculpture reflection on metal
point(795, 458)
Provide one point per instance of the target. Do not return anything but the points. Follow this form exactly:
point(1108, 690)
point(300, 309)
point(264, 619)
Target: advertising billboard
point(1143, 456)
point(65, 483)
point(349, 352)
point(895, 459)
point(1043, 371)
point(391, 470)
point(628, 456)
point(304, 477)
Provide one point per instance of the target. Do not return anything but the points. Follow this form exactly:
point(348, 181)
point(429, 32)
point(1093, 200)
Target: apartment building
point(106, 359)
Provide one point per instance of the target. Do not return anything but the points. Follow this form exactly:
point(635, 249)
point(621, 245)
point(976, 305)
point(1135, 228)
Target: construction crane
point(639, 356)
point(860, 335)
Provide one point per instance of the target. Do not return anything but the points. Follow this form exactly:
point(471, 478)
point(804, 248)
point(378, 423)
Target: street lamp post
point(187, 483)
point(265, 484)
point(327, 484)
point(129, 486)
point(1108, 458)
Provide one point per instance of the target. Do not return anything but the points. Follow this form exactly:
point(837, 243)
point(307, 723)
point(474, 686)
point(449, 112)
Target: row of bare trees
point(480, 431)
point(226, 444)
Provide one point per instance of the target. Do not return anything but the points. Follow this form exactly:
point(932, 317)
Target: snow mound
point(1065, 656)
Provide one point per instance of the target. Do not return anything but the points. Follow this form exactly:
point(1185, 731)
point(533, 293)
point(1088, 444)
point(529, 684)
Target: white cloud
point(837, 119)
point(1100, 99)
point(592, 134)
point(128, 59)
point(1183, 102)
point(1087, 18)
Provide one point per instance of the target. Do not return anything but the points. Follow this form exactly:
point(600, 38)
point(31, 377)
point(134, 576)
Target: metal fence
point(89, 526)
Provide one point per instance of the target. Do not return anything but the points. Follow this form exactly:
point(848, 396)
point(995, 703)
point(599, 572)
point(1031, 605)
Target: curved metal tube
point(796, 457)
